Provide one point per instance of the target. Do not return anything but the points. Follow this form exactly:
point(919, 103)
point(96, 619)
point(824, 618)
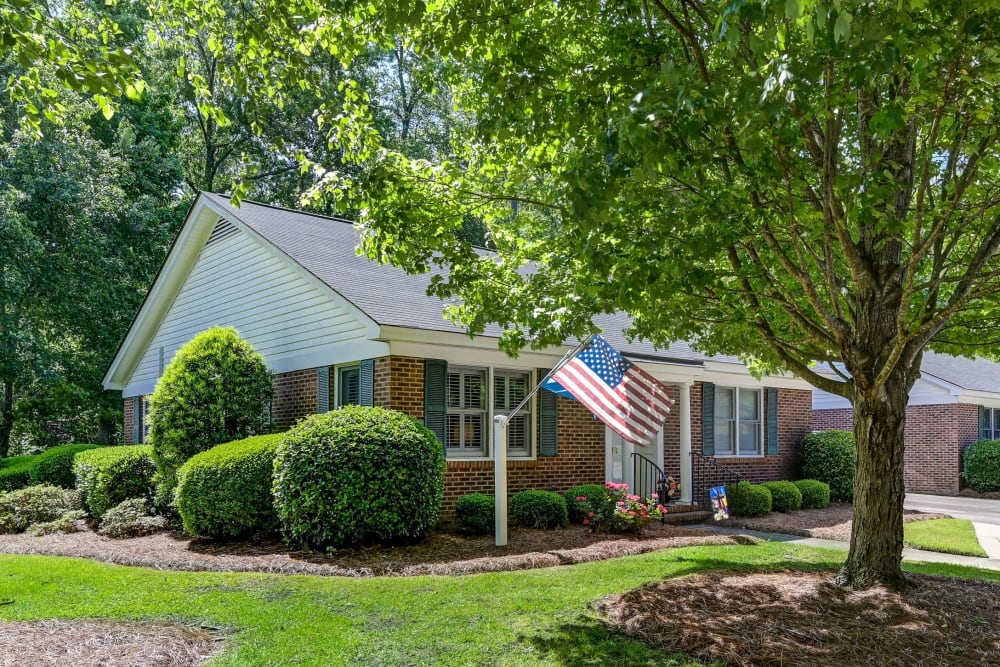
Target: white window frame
point(994, 430)
point(530, 410)
point(143, 406)
point(335, 383)
point(733, 425)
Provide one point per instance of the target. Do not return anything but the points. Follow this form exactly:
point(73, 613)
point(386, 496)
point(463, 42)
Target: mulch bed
point(829, 523)
point(972, 493)
point(795, 618)
point(105, 644)
point(441, 553)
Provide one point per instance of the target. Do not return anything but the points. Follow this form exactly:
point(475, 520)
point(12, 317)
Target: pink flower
point(654, 496)
point(591, 515)
point(581, 497)
point(586, 522)
point(661, 508)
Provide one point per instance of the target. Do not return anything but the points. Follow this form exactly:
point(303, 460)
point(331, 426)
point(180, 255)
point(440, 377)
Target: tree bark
point(6, 418)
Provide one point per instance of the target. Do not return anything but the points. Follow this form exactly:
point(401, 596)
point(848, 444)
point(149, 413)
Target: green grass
point(949, 536)
point(534, 617)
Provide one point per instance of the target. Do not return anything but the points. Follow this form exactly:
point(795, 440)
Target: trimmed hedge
point(746, 499)
point(108, 476)
point(55, 466)
point(539, 509)
point(358, 475)
point(476, 513)
point(226, 491)
point(981, 465)
point(815, 494)
point(15, 472)
point(785, 496)
point(596, 495)
point(829, 457)
point(34, 505)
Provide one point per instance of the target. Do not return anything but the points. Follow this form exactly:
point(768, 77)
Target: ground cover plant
point(131, 518)
point(24, 508)
point(536, 617)
point(950, 536)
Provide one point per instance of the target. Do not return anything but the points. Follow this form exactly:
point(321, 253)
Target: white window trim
point(993, 430)
point(143, 418)
point(736, 431)
point(335, 381)
point(490, 413)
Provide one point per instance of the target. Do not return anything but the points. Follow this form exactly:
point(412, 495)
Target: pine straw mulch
point(442, 553)
point(972, 493)
point(829, 523)
point(795, 618)
point(104, 644)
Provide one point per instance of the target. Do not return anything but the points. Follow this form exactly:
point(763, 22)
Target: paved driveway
point(979, 510)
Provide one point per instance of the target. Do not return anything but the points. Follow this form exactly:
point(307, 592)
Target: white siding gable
point(237, 281)
point(924, 392)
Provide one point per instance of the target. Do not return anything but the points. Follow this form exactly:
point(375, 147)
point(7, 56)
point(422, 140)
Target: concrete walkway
point(990, 563)
point(988, 535)
point(977, 510)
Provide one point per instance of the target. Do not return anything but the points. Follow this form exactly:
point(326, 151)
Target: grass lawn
point(532, 617)
point(950, 536)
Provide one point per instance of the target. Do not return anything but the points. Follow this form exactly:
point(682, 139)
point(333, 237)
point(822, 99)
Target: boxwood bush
point(981, 465)
point(746, 499)
point(15, 472)
point(829, 457)
point(358, 475)
point(476, 513)
point(785, 496)
point(35, 505)
point(539, 509)
point(595, 494)
point(109, 475)
point(815, 494)
point(55, 466)
point(226, 491)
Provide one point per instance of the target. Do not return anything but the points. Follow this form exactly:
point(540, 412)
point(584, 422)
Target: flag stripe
point(654, 407)
point(578, 384)
point(580, 379)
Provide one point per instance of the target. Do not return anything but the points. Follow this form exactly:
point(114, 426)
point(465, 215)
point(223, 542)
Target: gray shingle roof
point(325, 247)
point(973, 374)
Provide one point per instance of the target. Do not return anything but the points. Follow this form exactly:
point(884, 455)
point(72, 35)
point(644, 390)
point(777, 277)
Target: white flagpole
point(500, 449)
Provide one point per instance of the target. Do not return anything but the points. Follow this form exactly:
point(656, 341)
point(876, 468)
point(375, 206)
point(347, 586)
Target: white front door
point(620, 464)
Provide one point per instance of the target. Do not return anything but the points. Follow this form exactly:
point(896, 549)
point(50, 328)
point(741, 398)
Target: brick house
point(336, 329)
point(955, 402)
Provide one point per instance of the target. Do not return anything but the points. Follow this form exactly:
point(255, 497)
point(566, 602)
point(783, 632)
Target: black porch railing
point(707, 473)
point(648, 478)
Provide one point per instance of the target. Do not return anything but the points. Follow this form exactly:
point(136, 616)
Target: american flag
point(630, 401)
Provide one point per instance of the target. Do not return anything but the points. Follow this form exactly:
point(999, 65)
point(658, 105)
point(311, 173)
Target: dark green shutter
point(323, 389)
point(366, 383)
point(772, 422)
point(136, 420)
point(435, 397)
point(708, 419)
point(548, 409)
point(984, 423)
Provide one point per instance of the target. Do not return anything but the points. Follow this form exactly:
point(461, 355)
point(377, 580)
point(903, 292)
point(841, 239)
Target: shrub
point(15, 472)
point(35, 504)
point(55, 466)
point(785, 496)
point(815, 494)
point(64, 524)
point(358, 475)
point(131, 518)
point(829, 457)
point(476, 513)
point(539, 509)
point(981, 465)
point(109, 475)
point(593, 498)
point(746, 499)
point(226, 491)
point(217, 389)
point(623, 512)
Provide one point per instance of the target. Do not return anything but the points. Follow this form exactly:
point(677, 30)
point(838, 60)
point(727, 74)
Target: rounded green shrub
point(131, 518)
point(595, 495)
point(358, 475)
point(217, 389)
point(981, 465)
point(109, 475)
point(746, 499)
point(31, 505)
point(476, 513)
point(785, 496)
point(829, 457)
point(226, 491)
point(55, 466)
point(15, 472)
point(815, 494)
point(539, 509)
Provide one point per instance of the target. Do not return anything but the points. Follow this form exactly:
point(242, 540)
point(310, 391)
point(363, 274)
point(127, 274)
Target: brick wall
point(129, 425)
point(294, 397)
point(399, 384)
point(837, 419)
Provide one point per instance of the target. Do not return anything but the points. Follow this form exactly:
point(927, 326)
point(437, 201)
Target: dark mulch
point(795, 618)
point(104, 644)
point(829, 523)
point(441, 553)
point(972, 493)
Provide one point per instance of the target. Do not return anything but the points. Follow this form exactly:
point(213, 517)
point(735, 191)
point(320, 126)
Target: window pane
point(454, 390)
point(454, 431)
point(472, 433)
point(349, 386)
point(750, 405)
point(723, 403)
point(723, 437)
point(749, 438)
point(517, 433)
point(472, 390)
point(517, 389)
point(499, 392)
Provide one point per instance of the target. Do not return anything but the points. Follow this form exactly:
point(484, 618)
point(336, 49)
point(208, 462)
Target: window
point(990, 428)
point(348, 386)
point(143, 408)
point(474, 396)
point(738, 422)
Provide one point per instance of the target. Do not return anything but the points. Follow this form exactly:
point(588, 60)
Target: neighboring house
point(955, 402)
point(338, 329)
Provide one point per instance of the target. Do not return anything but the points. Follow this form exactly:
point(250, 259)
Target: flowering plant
point(623, 512)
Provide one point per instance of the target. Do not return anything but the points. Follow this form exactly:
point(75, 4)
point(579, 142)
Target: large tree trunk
point(6, 417)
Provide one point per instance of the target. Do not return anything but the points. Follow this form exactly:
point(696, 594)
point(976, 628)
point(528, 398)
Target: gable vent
point(223, 229)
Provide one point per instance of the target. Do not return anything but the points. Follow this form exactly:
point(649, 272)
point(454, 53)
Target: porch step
point(695, 515)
